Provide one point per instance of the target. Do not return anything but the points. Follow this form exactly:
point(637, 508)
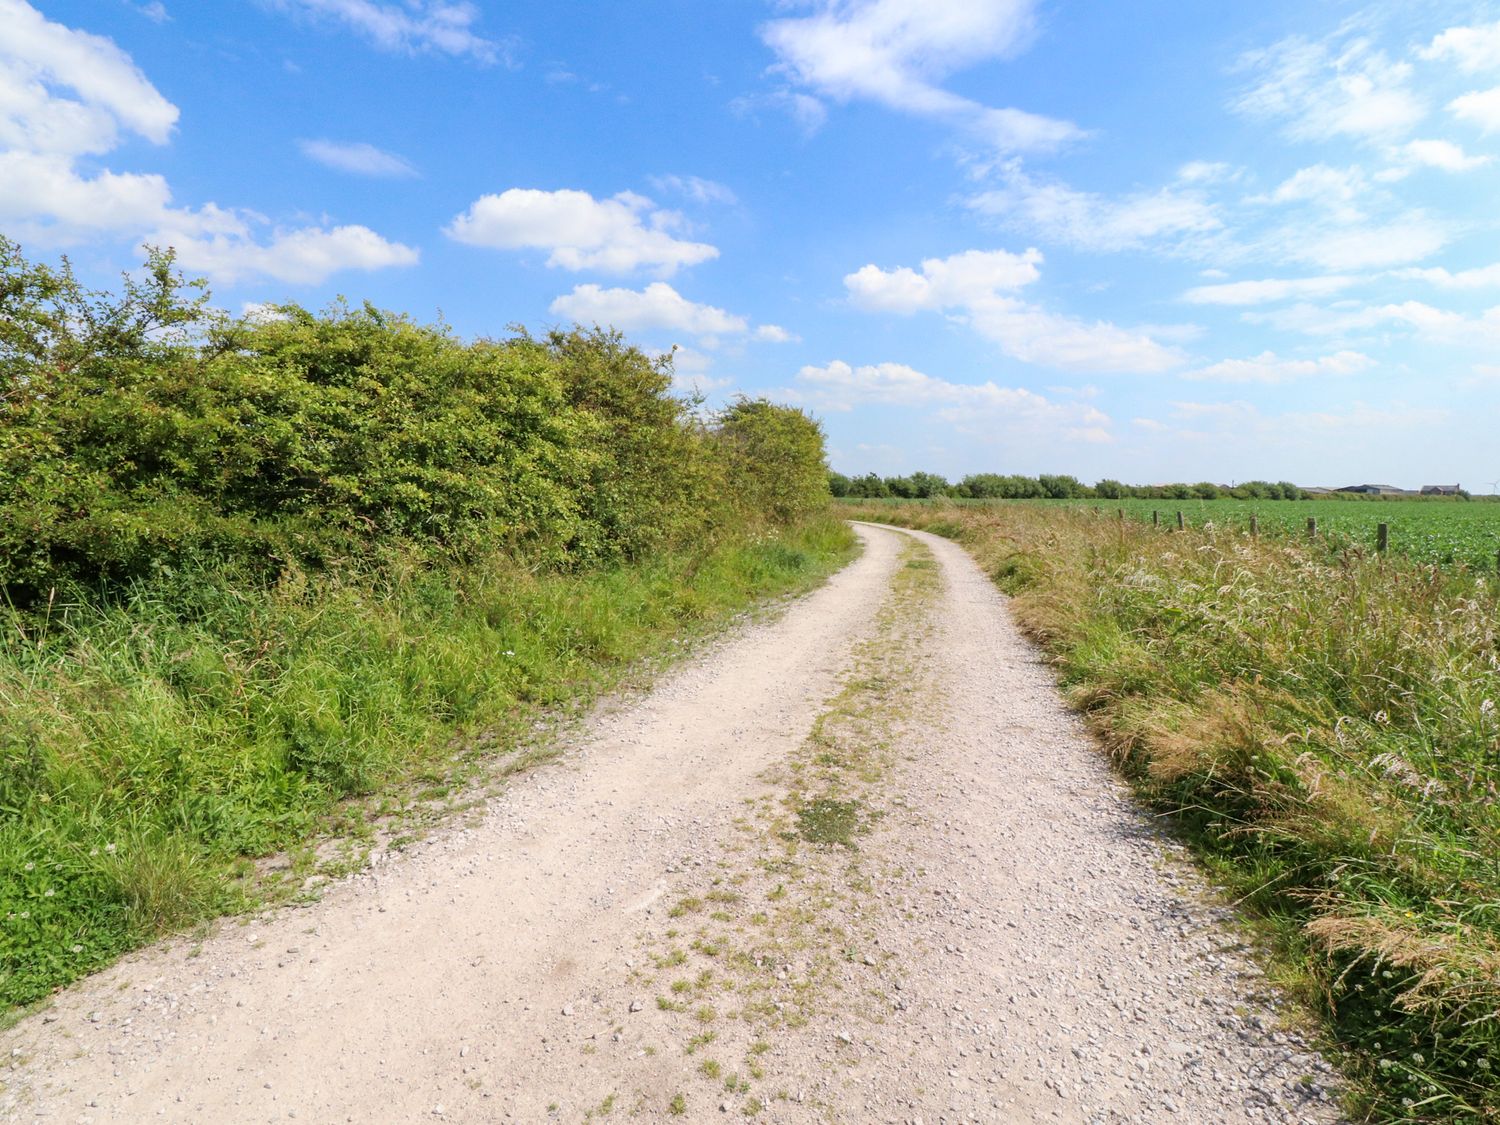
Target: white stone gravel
point(1047, 955)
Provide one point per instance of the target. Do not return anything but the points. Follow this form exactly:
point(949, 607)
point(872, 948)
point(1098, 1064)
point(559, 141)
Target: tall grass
point(1323, 728)
point(152, 743)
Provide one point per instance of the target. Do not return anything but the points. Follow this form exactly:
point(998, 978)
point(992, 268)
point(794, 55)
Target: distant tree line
point(997, 486)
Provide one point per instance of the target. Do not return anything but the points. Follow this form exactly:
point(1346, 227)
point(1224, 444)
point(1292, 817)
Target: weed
point(828, 821)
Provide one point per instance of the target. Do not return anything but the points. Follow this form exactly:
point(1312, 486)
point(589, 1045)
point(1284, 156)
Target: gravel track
point(1044, 954)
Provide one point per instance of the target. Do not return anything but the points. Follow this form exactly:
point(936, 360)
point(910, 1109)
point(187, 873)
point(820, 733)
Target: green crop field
point(1432, 531)
point(1442, 532)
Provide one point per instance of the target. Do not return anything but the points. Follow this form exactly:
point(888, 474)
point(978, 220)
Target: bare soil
point(859, 863)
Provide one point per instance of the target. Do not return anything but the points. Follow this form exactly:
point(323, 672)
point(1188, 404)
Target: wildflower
point(508, 652)
point(25, 914)
point(77, 948)
point(29, 867)
point(1419, 1058)
point(109, 847)
point(48, 893)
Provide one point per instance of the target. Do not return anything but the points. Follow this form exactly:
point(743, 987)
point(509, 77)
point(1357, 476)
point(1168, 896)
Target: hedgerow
point(262, 575)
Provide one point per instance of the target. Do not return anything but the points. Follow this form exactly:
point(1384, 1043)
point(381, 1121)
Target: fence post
point(1122, 512)
point(1254, 525)
point(1180, 523)
point(1382, 537)
point(1312, 527)
point(1155, 519)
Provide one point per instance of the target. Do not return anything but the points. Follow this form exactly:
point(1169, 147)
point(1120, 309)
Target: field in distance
point(1442, 532)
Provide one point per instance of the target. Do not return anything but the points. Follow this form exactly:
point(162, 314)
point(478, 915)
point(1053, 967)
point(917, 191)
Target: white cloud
point(38, 58)
point(691, 373)
point(1481, 108)
point(616, 235)
point(1442, 155)
point(412, 26)
point(1096, 222)
point(838, 386)
point(1267, 290)
point(1333, 189)
point(305, 256)
point(1321, 90)
point(895, 52)
point(1355, 246)
point(357, 157)
point(1034, 335)
point(971, 286)
point(46, 201)
point(1426, 322)
point(1268, 367)
point(65, 94)
point(1479, 278)
point(153, 10)
point(695, 188)
point(658, 306)
point(1473, 48)
point(943, 282)
point(775, 334)
point(1225, 425)
point(1205, 172)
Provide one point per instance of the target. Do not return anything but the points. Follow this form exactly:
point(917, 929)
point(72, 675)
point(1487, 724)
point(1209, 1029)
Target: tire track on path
point(1035, 949)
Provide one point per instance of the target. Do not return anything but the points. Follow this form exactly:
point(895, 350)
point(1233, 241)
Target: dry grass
point(1323, 727)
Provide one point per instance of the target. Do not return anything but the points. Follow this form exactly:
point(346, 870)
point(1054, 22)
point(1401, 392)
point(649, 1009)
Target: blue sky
point(1155, 241)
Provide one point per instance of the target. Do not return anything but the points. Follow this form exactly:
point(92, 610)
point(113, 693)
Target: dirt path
point(858, 864)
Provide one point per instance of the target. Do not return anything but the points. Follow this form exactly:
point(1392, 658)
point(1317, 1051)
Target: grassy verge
point(151, 747)
point(1324, 731)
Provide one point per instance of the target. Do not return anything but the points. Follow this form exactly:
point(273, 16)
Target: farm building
point(1441, 489)
point(1374, 489)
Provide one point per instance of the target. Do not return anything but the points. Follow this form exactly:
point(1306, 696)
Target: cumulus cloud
point(1268, 290)
point(658, 306)
point(303, 256)
point(357, 157)
point(1323, 90)
point(411, 27)
point(1481, 108)
point(69, 92)
point(973, 287)
point(616, 235)
point(839, 386)
point(66, 94)
point(1268, 367)
point(897, 52)
point(1473, 49)
point(942, 282)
